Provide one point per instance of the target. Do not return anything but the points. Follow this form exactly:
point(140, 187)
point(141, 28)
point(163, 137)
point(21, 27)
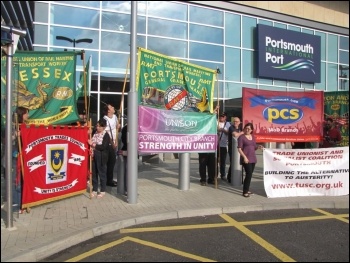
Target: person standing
point(223, 127)
point(22, 116)
point(111, 129)
point(234, 131)
point(246, 148)
point(331, 134)
point(100, 149)
point(206, 163)
point(124, 149)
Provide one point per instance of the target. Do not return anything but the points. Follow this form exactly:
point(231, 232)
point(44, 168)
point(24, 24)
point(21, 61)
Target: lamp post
point(74, 41)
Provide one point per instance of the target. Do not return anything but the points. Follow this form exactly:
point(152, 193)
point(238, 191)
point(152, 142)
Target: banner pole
point(217, 154)
point(84, 79)
point(123, 92)
point(90, 159)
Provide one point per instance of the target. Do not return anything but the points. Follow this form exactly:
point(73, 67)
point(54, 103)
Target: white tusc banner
point(306, 172)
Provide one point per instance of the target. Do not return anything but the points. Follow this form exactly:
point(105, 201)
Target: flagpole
point(84, 78)
point(90, 159)
point(217, 153)
point(122, 100)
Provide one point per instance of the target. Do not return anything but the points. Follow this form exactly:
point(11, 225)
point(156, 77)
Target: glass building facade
point(211, 37)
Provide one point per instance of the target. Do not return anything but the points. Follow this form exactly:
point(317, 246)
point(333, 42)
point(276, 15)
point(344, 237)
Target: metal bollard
point(184, 168)
point(120, 174)
point(236, 168)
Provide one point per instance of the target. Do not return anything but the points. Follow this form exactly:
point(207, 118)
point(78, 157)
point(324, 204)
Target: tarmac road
point(303, 235)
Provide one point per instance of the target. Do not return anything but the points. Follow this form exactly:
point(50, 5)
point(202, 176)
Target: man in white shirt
point(223, 127)
point(111, 128)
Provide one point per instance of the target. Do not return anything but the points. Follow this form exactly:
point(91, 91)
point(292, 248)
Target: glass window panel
point(94, 60)
point(332, 77)
point(141, 41)
point(95, 4)
point(344, 84)
point(265, 22)
point(233, 90)
point(322, 84)
point(167, 28)
point(116, 21)
point(167, 10)
point(294, 84)
point(114, 62)
point(41, 34)
point(263, 81)
point(248, 32)
point(206, 16)
point(77, 16)
point(209, 65)
point(309, 86)
point(332, 45)
point(42, 49)
point(141, 24)
point(323, 44)
point(206, 52)
point(279, 25)
point(282, 83)
point(43, 10)
point(233, 64)
point(247, 66)
point(344, 57)
point(168, 47)
point(233, 30)
point(120, 6)
point(272, 88)
point(115, 41)
point(344, 43)
point(294, 28)
point(307, 31)
point(206, 34)
point(74, 34)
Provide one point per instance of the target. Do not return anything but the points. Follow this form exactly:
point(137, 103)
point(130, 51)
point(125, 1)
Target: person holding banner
point(331, 135)
point(223, 127)
point(246, 148)
point(234, 131)
point(100, 149)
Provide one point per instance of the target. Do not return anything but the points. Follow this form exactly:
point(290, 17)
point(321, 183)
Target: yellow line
point(171, 250)
point(340, 217)
point(296, 219)
point(142, 242)
point(97, 250)
point(270, 248)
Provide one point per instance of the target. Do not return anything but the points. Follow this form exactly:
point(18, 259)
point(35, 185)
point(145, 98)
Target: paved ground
point(49, 228)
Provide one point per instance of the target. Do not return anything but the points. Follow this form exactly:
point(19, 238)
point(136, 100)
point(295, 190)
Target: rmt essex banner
point(306, 172)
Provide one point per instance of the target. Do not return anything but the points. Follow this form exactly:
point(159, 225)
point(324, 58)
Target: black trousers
point(223, 155)
point(206, 161)
point(110, 165)
point(249, 169)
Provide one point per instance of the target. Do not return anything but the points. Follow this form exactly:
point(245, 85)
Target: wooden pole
point(122, 100)
point(85, 89)
point(90, 160)
point(217, 154)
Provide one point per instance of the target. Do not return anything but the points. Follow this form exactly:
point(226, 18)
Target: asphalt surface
point(59, 225)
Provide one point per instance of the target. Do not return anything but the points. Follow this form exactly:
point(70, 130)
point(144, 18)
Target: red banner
point(55, 163)
point(280, 116)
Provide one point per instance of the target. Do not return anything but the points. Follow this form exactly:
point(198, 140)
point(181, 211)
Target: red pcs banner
point(281, 116)
point(55, 163)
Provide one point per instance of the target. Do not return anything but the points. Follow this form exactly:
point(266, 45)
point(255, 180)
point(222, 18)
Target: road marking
point(142, 242)
point(260, 241)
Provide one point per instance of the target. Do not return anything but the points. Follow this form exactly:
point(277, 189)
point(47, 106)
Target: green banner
point(167, 83)
point(44, 83)
point(336, 106)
